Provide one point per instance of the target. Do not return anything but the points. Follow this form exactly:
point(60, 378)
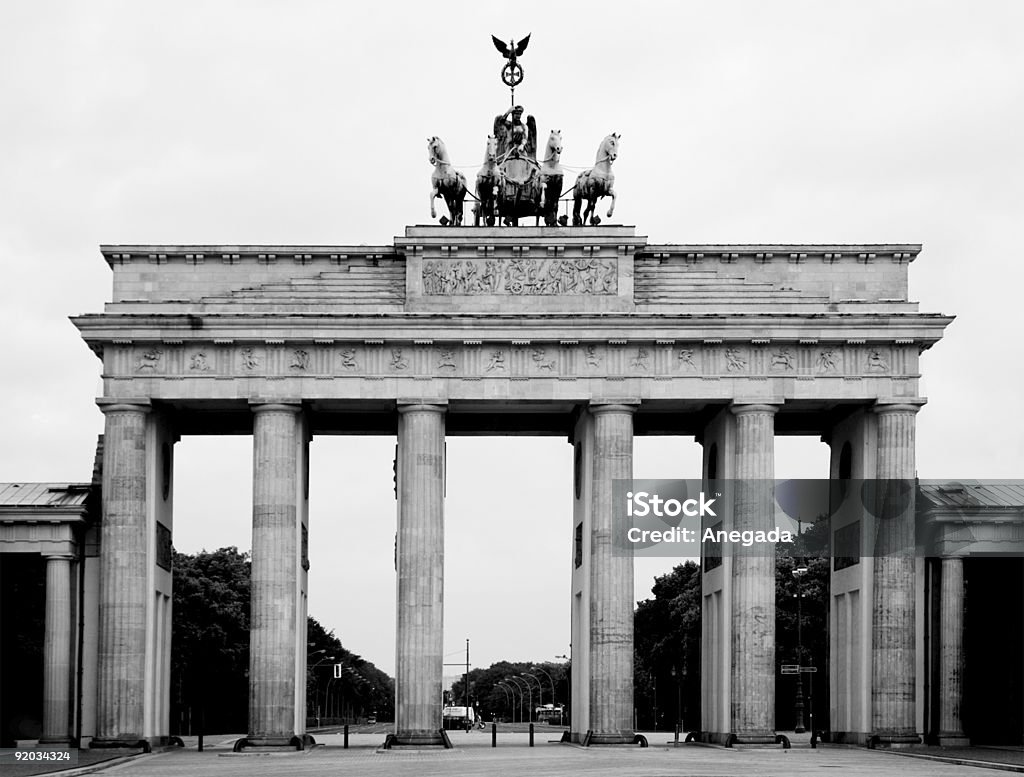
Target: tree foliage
point(362, 689)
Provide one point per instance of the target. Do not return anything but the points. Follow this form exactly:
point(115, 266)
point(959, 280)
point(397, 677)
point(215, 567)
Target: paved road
point(474, 756)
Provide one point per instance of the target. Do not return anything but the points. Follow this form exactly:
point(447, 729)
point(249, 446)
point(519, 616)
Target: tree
point(210, 642)
point(362, 689)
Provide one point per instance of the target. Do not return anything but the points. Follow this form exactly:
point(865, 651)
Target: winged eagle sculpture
point(512, 73)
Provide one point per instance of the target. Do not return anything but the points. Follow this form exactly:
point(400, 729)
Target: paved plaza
point(474, 756)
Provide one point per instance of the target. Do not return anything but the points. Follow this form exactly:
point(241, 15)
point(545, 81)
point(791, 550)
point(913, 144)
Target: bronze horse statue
point(595, 183)
point(487, 182)
point(446, 182)
point(551, 176)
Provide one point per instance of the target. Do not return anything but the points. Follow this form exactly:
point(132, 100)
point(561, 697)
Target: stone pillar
point(275, 537)
point(420, 567)
point(752, 686)
point(951, 651)
point(124, 585)
point(611, 582)
point(893, 631)
point(57, 651)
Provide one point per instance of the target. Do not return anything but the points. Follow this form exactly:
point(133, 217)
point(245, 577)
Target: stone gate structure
point(591, 333)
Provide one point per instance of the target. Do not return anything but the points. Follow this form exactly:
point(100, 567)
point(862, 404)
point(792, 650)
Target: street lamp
point(520, 692)
point(504, 689)
point(568, 660)
point(316, 679)
point(553, 702)
point(529, 690)
point(798, 705)
point(540, 688)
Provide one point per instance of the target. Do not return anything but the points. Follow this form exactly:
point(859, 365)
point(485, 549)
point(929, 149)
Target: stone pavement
point(474, 756)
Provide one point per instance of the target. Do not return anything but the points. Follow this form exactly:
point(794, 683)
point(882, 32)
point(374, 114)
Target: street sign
point(790, 669)
point(337, 671)
point(811, 669)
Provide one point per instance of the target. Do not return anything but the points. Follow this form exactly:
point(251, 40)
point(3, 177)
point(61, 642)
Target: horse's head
point(491, 154)
point(609, 147)
point(436, 151)
point(554, 145)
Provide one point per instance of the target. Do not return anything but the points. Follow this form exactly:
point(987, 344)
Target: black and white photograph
point(462, 388)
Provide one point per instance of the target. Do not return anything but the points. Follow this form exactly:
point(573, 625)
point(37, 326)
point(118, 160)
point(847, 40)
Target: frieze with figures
point(480, 360)
point(521, 276)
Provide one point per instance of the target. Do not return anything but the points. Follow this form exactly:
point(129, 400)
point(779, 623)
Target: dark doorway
point(22, 619)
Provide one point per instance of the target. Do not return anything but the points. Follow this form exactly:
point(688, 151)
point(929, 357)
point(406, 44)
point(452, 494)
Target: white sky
point(250, 122)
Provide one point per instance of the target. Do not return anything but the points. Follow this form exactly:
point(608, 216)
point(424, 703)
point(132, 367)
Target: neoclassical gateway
point(589, 332)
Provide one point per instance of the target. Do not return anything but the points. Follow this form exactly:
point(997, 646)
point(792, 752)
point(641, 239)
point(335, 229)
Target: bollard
point(345, 745)
point(676, 742)
point(494, 735)
point(531, 735)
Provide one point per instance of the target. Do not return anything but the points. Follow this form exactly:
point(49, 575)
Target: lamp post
point(520, 692)
point(529, 690)
point(505, 691)
point(568, 678)
point(540, 688)
point(798, 705)
point(316, 679)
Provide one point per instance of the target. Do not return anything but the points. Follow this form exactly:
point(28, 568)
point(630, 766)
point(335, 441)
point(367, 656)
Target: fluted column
point(611, 582)
point(752, 686)
point(893, 632)
point(275, 533)
point(951, 648)
point(120, 690)
point(420, 567)
point(57, 651)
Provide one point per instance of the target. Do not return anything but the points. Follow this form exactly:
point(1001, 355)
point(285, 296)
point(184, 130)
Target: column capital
point(58, 556)
point(422, 407)
point(904, 406)
point(739, 408)
point(624, 405)
point(124, 405)
point(277, 405)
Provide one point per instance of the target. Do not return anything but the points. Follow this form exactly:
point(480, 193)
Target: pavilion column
point(57, 651)
point(753, 578)
point(124, 587)
point(611, 581)
point(951, 648)
point(420, 568)
point(893, 671)
point(275, 536)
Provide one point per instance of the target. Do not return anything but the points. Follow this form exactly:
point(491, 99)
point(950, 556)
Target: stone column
point(57, 651)
point(420, 567)
point(611, 582)
point(272, 652)
point(124, 586)
point(752, 686)
point(893, 630)
point(951, 648)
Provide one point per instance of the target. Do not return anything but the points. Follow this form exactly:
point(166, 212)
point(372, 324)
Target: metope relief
point(521, 276)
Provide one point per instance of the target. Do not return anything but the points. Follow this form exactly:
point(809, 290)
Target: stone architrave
point(752, 685)
point(420, 563)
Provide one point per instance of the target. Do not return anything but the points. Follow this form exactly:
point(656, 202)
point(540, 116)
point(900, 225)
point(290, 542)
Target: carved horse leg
point(433, 196)
point(611, 193)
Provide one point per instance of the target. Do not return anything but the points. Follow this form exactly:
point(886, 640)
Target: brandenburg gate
point(587, 332)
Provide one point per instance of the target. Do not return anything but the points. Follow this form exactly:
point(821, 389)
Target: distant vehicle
point(372, 719)
point(459, 717)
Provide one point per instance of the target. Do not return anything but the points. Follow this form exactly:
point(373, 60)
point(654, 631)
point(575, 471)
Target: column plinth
point(611, 582)
point(752, 683)
point(275, 536)
point(951, 647)
point(57, 652)
point(420, 569)
point(893, 631)
point(124, 586)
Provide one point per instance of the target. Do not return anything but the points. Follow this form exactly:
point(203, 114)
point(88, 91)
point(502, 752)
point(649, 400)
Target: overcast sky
point(301, 122)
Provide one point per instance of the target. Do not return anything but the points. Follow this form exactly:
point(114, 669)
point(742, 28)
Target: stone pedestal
point(611, 582)
point(124, 586)
point(57, 651)
point(951, 653)
point(420, 568)
point(274, 658)
point(893, 669)
point(752, 683)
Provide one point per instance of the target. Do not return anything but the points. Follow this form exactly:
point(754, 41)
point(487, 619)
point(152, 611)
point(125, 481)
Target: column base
point(437, 740)
point(271, 743)
point(953, 740)
point(610, 738)
point(119, 743)
point(893, 740)
point(56, 740)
